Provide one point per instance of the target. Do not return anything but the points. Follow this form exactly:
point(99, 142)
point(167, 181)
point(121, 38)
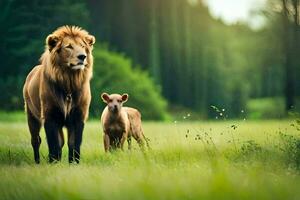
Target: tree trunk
point(288, 39)
point(154, 56)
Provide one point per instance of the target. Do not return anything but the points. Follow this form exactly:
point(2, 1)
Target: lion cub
point(120, 123)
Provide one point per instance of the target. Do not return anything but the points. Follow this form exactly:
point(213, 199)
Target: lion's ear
point(90, 39)
point(52, 41)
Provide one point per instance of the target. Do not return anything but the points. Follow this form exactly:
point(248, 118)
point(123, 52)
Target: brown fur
point(120, 125)
point(57, 92)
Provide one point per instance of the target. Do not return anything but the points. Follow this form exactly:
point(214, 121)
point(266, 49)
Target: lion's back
point(31, 90)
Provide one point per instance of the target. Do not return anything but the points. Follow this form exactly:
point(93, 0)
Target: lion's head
point(69, 48)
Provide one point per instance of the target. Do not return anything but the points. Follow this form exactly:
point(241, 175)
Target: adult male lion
point(57, 92)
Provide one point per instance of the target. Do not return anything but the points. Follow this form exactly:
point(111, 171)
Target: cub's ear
point(105, 97)
point(51, 41)
point(124, 97)
point(90, 39)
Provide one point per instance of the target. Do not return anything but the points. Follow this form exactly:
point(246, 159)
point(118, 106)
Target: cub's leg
point(129, 142)
point(106, 142)
point(140, 141)
point(113, 143)
point(146, 139)
point(34, 128)
point(122, 141)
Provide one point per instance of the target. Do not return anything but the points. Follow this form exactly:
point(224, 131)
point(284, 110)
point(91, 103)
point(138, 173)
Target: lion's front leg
point(78, 139)
point(52, 127)
point(75, 126)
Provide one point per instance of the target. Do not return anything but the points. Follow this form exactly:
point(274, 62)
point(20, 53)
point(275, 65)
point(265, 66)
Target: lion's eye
point(69, 46)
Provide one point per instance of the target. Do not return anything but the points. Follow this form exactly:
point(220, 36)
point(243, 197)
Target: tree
point(24, 26)
point(290, 12)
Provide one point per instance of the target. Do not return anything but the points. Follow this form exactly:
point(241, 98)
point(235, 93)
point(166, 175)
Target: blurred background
point(202, 59)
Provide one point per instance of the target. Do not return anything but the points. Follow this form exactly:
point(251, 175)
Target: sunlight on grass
point(212, 160)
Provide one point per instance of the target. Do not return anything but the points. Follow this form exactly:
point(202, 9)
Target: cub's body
point(120, 123)
point(115, 126)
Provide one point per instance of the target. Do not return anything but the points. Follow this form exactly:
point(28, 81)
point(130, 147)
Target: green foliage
point(12, 96)
point(196, 60)
point(250, 151)
point(23, 29)
point(290, 146)
point(250, 147)
point(180, 113)
point(199, 61)
point(24, 25)
point(284, 147)
point(265, 108)
point(12, 116)
point(113, 73)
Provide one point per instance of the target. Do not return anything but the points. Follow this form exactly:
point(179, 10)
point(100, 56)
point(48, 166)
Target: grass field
point(208, 160)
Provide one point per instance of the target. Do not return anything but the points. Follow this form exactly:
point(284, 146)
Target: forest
point(171, 56)
point(220, 102)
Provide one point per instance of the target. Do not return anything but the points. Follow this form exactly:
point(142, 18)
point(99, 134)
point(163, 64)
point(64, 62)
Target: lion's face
point(71, 51)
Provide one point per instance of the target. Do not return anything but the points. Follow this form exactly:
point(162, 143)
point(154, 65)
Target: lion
point(57, 92)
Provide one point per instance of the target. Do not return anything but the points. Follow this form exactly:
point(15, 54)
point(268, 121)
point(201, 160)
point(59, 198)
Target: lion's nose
point(81, 57)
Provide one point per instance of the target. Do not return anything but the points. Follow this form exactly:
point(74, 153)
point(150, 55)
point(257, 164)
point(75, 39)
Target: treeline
point(24, 25)
point(197, 61)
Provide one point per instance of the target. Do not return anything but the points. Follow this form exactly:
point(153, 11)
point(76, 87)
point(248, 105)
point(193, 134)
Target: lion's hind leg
point(34, 128)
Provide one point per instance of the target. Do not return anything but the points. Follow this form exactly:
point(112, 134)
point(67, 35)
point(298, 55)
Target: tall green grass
point(199, 160)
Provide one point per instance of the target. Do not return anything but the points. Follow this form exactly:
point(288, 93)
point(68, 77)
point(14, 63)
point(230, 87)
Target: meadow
point(188, 160)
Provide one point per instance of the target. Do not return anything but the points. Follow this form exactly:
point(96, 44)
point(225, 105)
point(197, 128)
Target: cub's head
point(70, 47)
point(114, 101)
